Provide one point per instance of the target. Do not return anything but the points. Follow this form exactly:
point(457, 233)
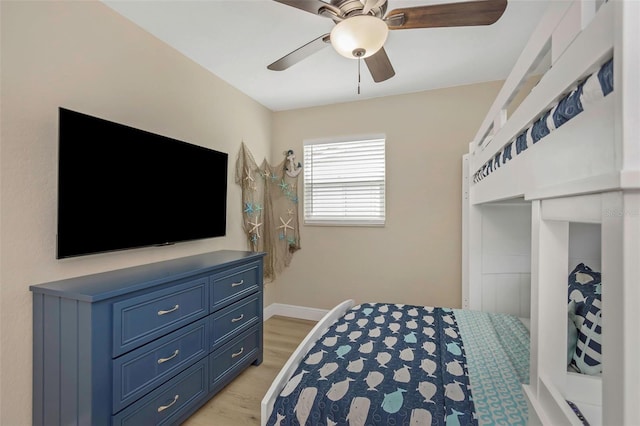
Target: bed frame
point(577, 189)
point(296, 358)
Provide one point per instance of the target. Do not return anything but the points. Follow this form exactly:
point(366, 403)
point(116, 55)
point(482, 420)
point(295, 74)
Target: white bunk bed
point(570, 197)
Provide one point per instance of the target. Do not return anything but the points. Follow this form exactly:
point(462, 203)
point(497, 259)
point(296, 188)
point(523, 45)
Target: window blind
point(344, 182)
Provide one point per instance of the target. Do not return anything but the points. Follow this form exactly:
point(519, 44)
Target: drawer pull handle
point(238, 353)
point(164, 407)
point(175, 308)
point(163, 360)
point(237, 284)
point(237, 319)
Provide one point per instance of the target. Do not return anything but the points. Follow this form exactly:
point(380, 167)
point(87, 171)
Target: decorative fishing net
point(270, 208)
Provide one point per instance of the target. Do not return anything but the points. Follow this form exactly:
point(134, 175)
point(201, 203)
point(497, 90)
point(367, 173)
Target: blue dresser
point(146, 345)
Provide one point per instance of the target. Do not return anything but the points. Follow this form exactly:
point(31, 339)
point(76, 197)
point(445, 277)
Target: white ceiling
point(237, 39)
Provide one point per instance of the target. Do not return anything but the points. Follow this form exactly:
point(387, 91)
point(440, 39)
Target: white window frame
point(348, 220)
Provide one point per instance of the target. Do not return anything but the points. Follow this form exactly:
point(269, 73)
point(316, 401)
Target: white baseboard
point(300, 312)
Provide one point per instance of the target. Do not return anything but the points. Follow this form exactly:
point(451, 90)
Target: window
point(344, 181)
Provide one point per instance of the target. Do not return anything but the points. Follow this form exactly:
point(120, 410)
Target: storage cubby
point(566, 232)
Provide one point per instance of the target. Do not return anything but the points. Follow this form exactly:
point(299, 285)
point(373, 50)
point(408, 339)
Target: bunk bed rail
point(554, 33)
point(578, 37)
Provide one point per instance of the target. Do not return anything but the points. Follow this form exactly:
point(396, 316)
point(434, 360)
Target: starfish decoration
point(290, 212)
point(274, 178)
point(254, 239)
point(266, 174)
point(257, 208)
point(255, 227)
point(248, 208)
point(293, 186)
point(281, 236)
point(291, 241)
point(248, 175)
point(294, 199)
point(284, 185)
point(285, 225)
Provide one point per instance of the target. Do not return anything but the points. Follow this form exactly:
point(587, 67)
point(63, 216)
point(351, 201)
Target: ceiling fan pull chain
point(359, 60)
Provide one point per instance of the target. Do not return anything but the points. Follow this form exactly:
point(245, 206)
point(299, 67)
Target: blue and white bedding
point(393, 364)
point(586, 93)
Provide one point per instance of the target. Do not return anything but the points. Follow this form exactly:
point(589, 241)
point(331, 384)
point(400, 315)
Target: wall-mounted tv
point(121, 188)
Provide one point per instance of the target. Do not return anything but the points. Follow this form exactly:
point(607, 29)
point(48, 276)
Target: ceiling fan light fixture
point(359, 36)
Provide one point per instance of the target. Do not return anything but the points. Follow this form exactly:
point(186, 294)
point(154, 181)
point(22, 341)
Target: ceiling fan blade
point(480, 12)
point(300, 53)
point(380, 66)
point(312, 6)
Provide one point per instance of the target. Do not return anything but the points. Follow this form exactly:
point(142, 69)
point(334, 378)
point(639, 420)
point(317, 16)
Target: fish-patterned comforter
point(393, 364)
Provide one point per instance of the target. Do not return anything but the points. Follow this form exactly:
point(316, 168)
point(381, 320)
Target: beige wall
point(83, 56)
point(415, 258)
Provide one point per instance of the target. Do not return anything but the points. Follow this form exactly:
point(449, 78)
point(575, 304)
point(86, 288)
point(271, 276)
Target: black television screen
point(121, 187)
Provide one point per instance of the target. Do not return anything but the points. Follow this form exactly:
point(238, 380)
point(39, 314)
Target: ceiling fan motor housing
point(354, 7)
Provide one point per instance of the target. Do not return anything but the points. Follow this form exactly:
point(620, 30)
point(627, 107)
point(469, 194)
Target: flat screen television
point(121, 188)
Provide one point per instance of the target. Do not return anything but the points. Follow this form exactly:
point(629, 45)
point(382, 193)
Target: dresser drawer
point(224, 360)
point(164, 405)
point(234, 284)
point(139, 320)
point(141, 370)
point(232, 320)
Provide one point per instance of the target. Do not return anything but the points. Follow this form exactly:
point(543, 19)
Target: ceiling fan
point(362, 27)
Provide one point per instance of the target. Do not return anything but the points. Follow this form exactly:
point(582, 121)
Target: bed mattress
point(586, 94)
point(394, 364)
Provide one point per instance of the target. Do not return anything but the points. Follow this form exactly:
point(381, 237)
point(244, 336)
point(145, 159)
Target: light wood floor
point(239, 402)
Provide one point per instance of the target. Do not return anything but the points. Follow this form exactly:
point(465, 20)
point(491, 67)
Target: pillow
point(584, 310)
point(572, 332)
point(587, 358)
point(584, 287)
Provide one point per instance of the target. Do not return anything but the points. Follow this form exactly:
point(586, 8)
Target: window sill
point(354, 223)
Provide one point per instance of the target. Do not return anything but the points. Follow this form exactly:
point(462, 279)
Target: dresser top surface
point(106, 285)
